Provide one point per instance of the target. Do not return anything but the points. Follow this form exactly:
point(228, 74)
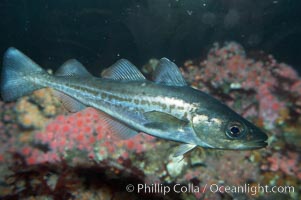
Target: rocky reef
point(46, 152)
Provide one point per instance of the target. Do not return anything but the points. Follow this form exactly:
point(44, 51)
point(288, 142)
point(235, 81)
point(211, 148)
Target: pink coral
point(79, 137)
point(241, 81)
point(288, 164)
point(252, 87)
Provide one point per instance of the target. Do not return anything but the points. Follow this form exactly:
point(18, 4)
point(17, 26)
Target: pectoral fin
point(183, 148)
point(163, 121)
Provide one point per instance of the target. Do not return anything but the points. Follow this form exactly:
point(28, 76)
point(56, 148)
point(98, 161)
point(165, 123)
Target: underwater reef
point(48, 153)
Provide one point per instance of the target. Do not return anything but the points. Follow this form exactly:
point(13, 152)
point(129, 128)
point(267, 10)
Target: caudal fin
point(17, 73)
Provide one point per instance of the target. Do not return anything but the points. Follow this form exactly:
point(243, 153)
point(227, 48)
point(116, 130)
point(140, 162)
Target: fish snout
point(257, 140)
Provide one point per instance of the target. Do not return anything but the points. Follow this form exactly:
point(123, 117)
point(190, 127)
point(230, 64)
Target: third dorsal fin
point(168, 73)
point(72, 67)
point(123, 70)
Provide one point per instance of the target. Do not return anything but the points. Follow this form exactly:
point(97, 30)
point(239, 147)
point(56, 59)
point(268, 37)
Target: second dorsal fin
point(123, 70)
point(168, 73)
point(72, 67)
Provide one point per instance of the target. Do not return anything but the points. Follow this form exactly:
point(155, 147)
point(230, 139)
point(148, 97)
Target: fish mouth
point(257, 144)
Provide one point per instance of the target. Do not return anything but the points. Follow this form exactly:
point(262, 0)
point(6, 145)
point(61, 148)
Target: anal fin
point(71, 104)
point(118, 129)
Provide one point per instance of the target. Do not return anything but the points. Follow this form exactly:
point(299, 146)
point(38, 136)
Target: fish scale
point(100, 90)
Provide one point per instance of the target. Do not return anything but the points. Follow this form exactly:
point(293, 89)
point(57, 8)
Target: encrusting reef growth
point(45, 152)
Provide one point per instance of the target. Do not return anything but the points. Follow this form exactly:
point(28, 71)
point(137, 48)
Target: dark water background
point(99, 32)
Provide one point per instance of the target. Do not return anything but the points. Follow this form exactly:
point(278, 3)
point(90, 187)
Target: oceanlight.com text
point(250, 189)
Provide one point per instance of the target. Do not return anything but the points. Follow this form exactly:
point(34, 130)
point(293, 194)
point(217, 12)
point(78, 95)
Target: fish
point(166, 107)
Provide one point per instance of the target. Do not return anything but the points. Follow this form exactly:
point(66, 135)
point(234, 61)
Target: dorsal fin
point(72, 67)
point(123, 70)
point(168, 73)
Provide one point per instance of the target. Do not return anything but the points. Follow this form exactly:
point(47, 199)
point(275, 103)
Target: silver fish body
point(166, 108)
point(126, 101)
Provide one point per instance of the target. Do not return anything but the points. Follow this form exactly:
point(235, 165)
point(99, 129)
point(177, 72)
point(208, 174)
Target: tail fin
point(17, 70)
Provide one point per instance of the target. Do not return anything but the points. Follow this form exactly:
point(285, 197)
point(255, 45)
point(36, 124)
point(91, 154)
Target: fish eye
point(235, 130)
